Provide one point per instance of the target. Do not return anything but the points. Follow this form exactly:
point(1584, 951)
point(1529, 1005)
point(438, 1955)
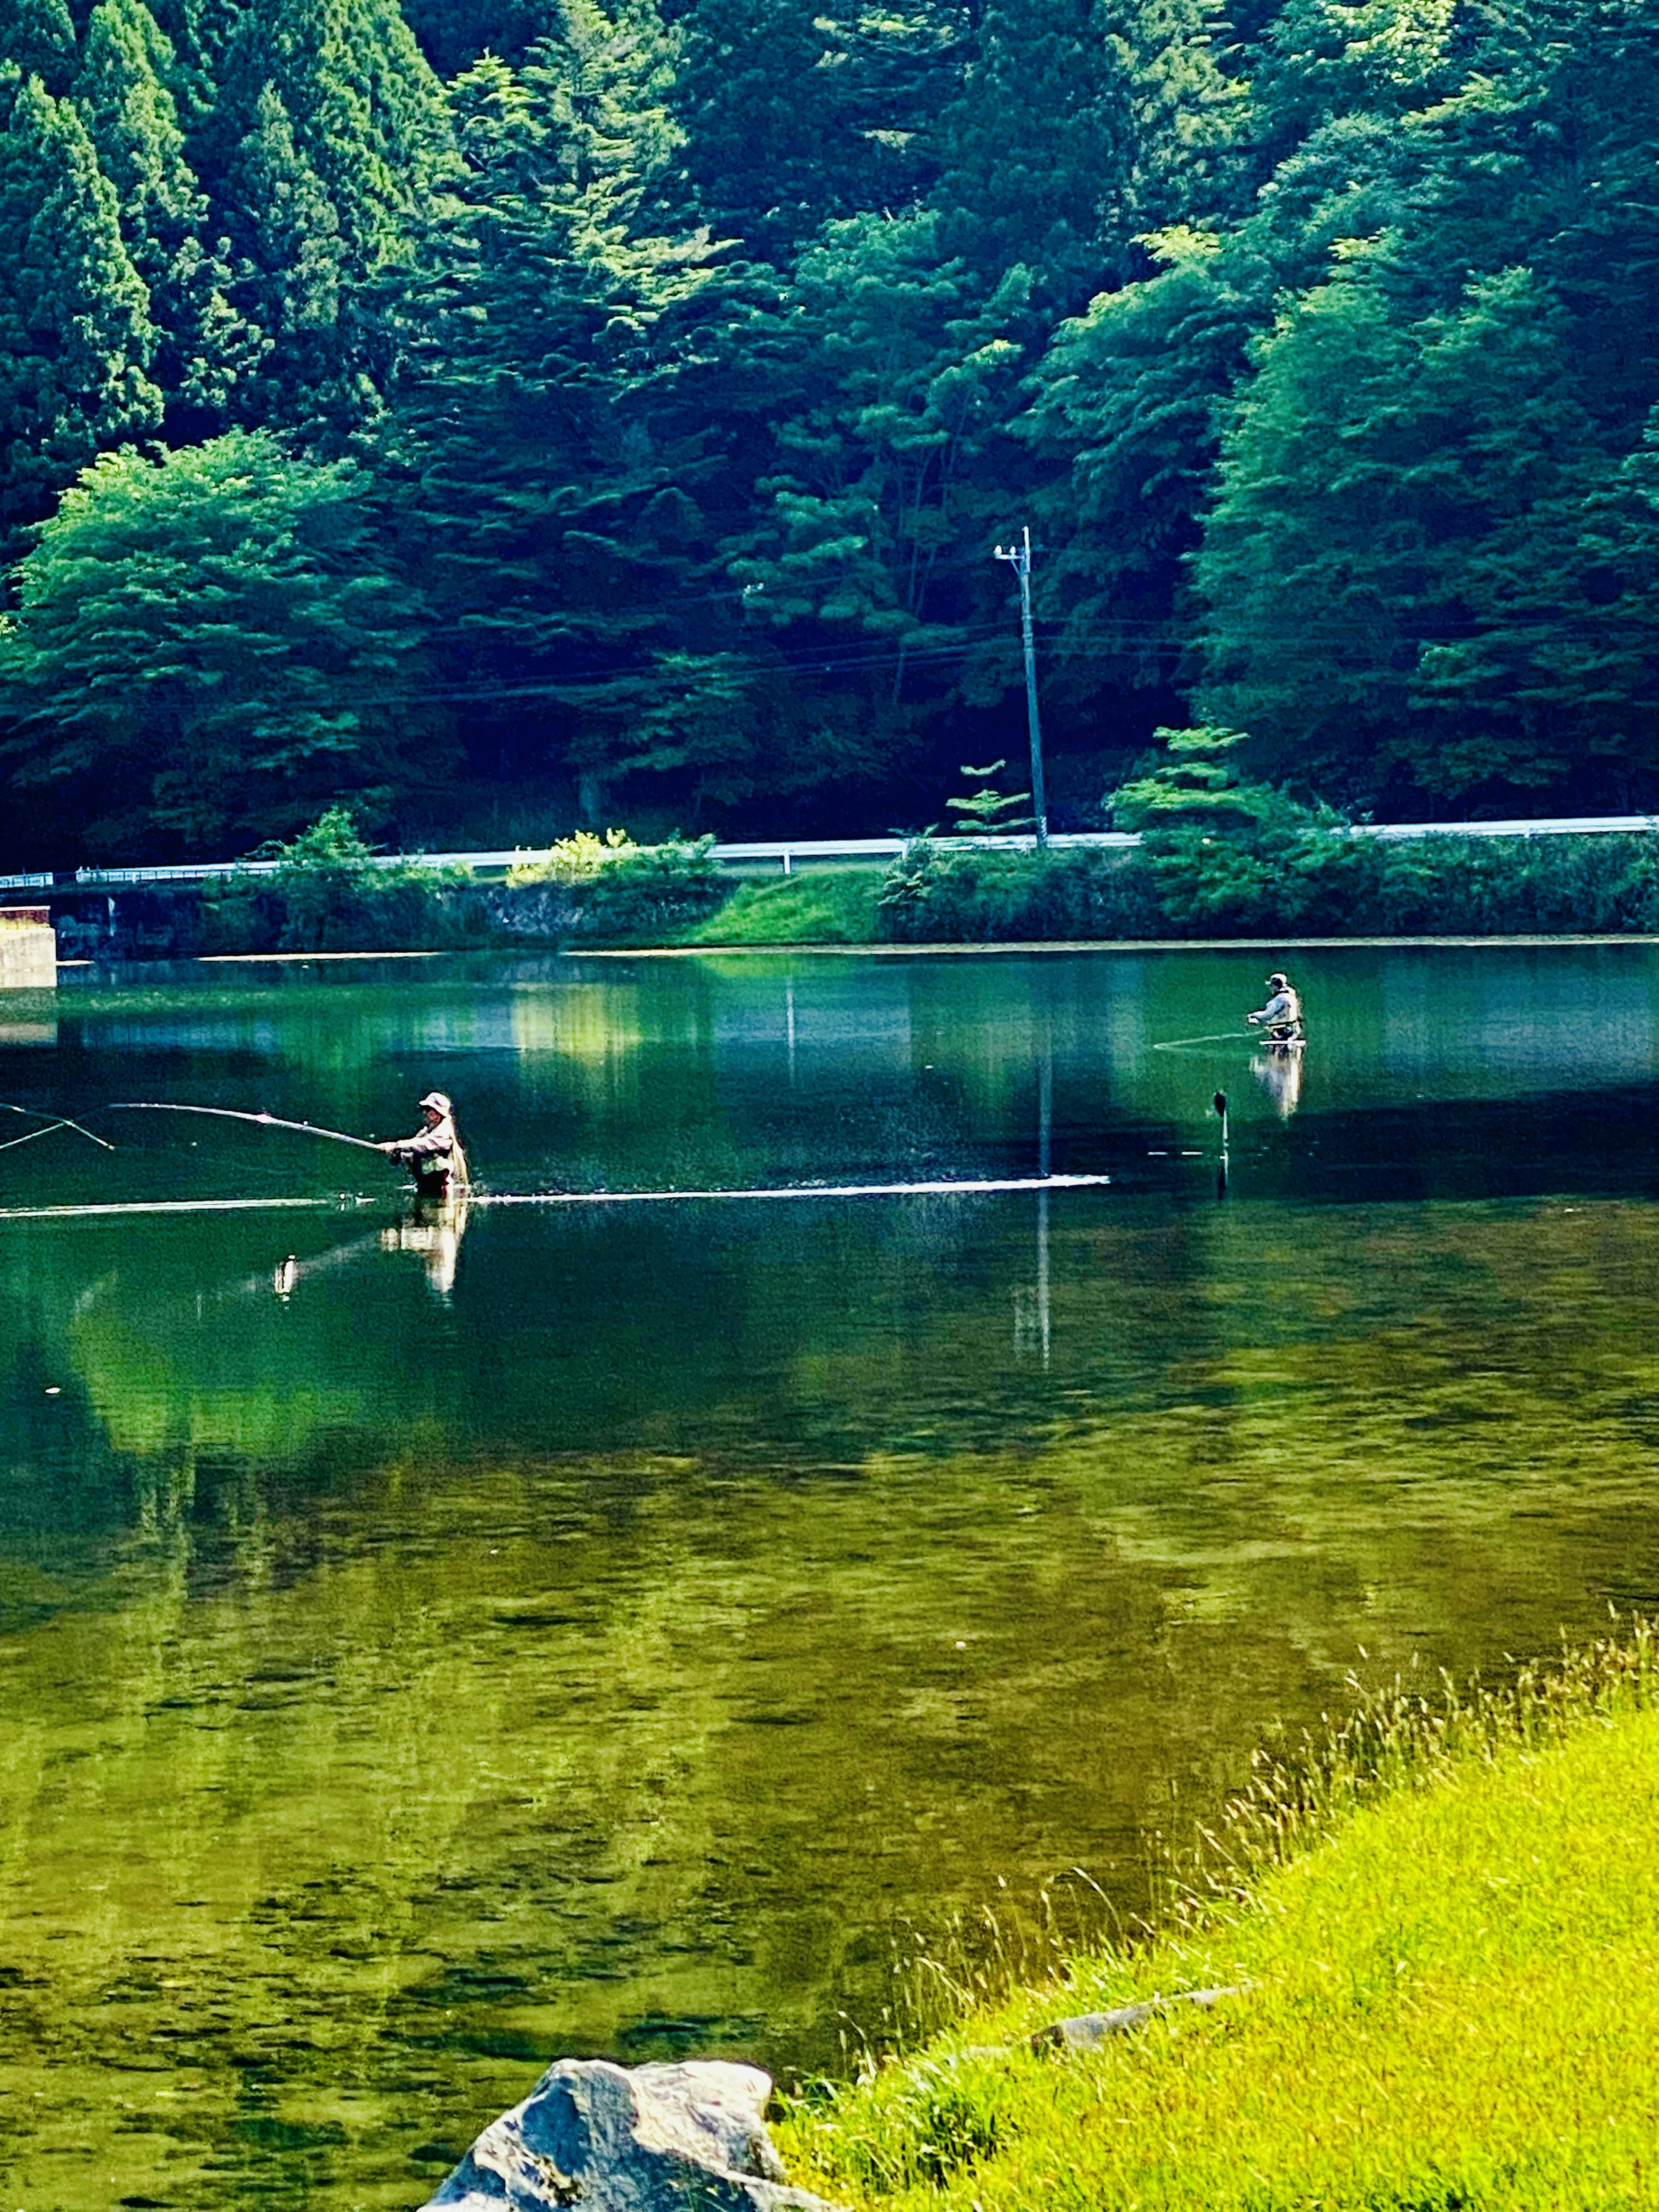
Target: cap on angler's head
point(437, 1101)
point(1276, 981)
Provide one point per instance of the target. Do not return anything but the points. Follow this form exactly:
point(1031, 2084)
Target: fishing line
point(57, 1121)
point(30, 1136)
point(956, 1186)
point(965, 1187)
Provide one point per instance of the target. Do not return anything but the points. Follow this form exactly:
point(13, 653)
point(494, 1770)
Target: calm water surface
point(610, 1629)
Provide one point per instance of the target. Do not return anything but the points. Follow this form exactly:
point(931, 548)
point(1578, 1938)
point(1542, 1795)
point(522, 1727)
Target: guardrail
point(790, 853)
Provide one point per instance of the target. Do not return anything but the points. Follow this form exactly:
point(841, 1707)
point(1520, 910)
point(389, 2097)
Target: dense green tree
point(455, 33)
point(208, 648)
point(38, 37)
point(555, 426)
point(1400, 594)
point(124, 95)
point(334, 138)
point(75, 335)
point(699, 352)
point(887, 494)
point(796, 115)
point(1321, 59)
point(1076, 130)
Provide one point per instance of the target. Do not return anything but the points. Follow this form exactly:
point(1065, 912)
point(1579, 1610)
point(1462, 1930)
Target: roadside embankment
point(333, 894)
point(1444, 1931)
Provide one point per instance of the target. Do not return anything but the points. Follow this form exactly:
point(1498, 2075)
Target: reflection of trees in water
point(474, 1747)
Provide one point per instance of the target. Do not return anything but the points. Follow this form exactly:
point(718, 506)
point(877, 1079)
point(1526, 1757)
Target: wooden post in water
point(1219, 1103)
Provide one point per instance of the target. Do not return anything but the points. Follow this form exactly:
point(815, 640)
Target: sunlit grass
point(831, 906)
point(1447, 1923)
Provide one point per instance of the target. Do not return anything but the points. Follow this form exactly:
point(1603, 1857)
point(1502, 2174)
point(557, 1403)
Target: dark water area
point(428, 1650)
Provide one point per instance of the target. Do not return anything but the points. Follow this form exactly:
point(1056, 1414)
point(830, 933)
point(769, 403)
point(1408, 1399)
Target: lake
point(631, 1629)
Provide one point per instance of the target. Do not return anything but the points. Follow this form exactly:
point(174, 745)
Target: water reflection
point(1279, 1071)
point(411, 1668)
point(433, 1232)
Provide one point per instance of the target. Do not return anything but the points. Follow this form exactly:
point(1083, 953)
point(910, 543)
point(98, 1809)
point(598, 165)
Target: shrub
point(326, 894)
point(948, 894)
point(647, 892)
point(575, 860)
point(1225, 855)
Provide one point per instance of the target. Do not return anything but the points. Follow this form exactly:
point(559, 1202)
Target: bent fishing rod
point(230, 1114)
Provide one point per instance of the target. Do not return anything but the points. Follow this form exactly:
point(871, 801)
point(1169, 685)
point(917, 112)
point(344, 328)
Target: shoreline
point(1434, 1943)
point(1046, 947)
point(1093, 944)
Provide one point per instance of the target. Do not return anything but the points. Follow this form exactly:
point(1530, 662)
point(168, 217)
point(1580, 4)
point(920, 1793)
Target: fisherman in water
point(434, 1153)
point(1282, 1015)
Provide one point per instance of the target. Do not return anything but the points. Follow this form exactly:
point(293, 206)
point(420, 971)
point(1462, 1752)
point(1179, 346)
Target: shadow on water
point(425, 1649)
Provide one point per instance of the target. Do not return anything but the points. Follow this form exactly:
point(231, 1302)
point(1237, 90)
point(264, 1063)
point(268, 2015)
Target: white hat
point(438, 1102)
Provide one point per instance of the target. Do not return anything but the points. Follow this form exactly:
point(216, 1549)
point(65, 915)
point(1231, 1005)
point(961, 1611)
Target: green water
point(611, 1630)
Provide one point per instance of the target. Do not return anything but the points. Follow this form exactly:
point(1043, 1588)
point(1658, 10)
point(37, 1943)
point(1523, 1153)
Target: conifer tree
point(341, 140)
point(37, 36)
point(76, 336)
point(293, 233)
point(1072, 136)
point(553, 428)
point(886, 486)
point(365, 109)
point(796, 114)
point(124, 94)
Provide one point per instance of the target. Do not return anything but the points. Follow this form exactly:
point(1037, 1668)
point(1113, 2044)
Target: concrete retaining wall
point(28, 949)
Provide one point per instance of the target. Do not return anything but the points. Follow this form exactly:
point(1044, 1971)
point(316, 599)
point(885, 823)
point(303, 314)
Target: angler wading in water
point(434, 1153)
point(1281, 1017)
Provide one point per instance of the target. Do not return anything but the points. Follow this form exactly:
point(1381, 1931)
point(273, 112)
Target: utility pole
point(1020, 557)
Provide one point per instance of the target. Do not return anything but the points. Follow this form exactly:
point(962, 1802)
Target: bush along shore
point(1424, 1953)
point(1222, 863)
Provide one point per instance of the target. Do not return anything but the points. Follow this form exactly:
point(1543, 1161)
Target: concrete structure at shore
point(28, 949)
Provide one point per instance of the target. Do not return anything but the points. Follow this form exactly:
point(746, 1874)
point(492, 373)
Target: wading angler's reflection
point(435, 1232)
point(432, 1230)
point(1279, 1071)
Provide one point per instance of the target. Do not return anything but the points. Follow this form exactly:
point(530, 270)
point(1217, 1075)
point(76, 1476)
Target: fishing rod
point(230, 1114)
point(1221, 1037)
point(57, 1121)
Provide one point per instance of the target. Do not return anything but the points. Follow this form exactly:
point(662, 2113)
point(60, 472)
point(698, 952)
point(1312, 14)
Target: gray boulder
point(1085, 2031)
point(606, 2138)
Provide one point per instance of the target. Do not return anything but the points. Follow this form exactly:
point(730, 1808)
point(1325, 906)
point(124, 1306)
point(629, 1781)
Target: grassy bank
point(1447, 1928)
point(327, 893)
point(1205, 888)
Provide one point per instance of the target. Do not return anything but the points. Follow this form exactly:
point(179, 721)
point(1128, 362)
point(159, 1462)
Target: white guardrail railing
point(788, 854)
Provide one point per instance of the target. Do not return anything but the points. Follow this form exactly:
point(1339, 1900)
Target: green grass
point(1448, 1924)
point(832, 907)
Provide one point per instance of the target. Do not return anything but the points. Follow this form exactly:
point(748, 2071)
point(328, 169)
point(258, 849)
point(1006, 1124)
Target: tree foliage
point(694, 355)
point(203, 647)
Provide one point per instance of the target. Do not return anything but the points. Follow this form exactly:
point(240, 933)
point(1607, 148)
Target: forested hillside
point(506, 411)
